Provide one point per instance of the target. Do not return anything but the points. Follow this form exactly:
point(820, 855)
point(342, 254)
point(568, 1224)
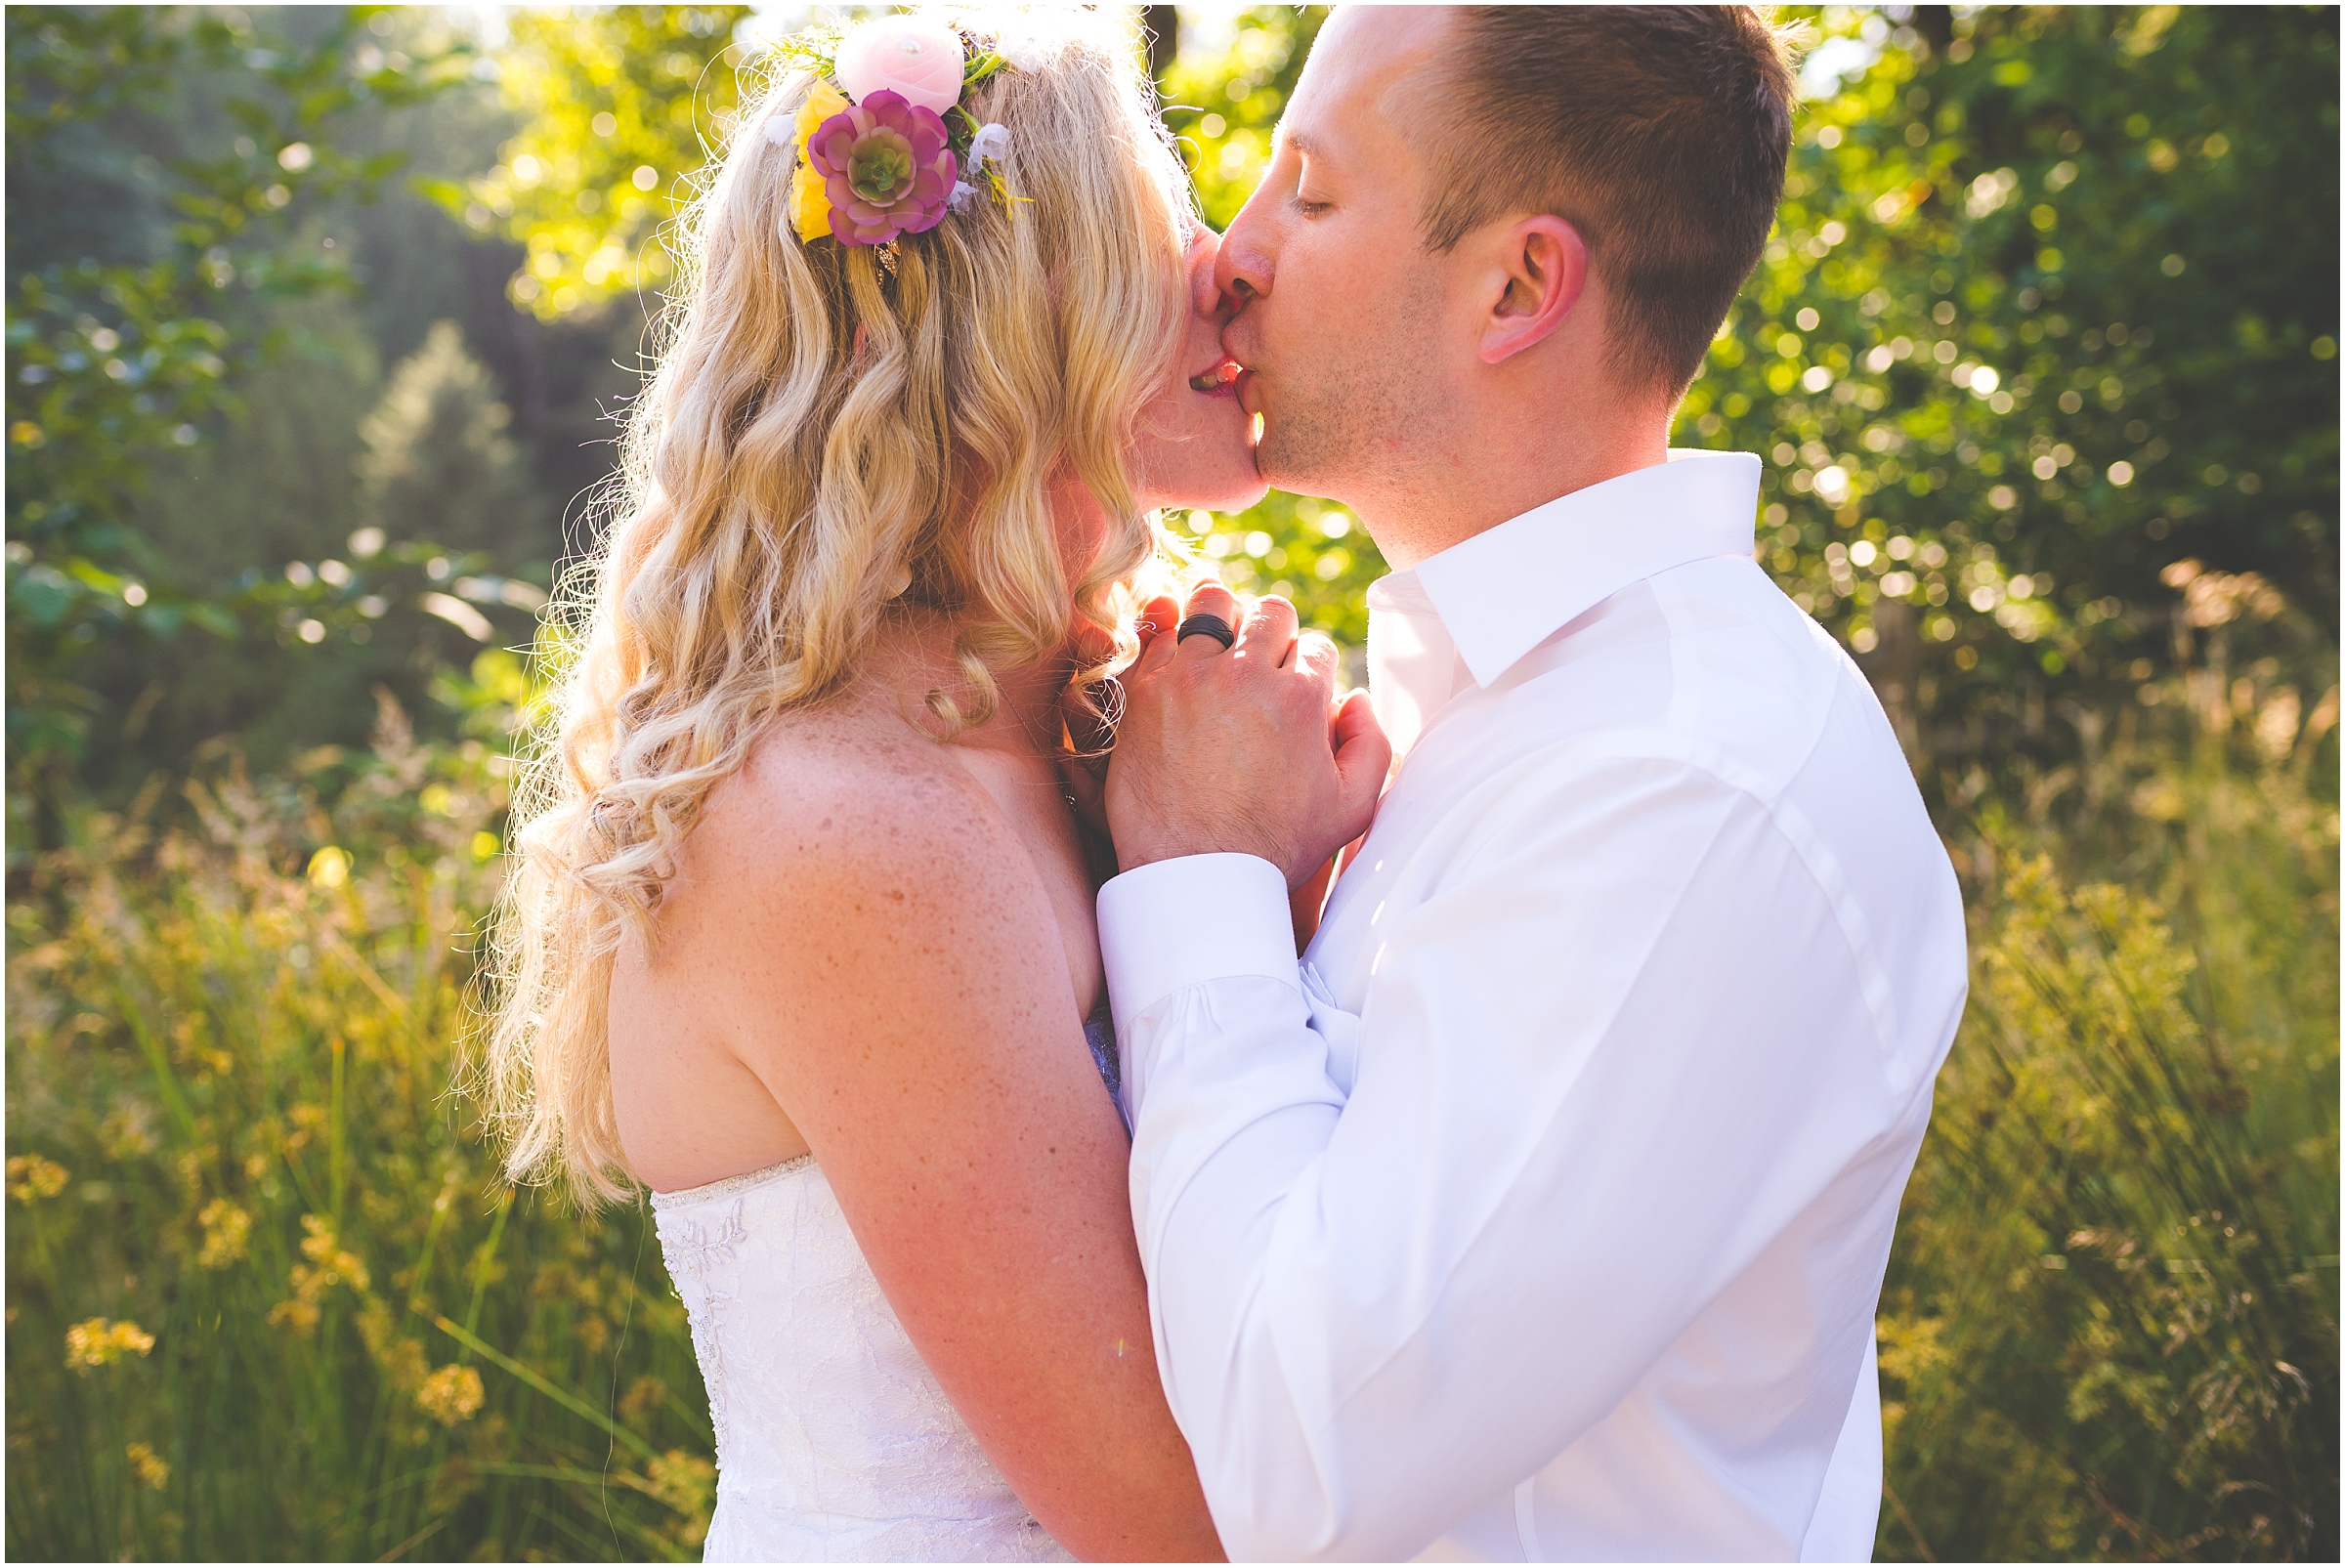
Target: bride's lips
point(1219, 379)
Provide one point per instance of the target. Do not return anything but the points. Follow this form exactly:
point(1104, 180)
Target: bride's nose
point(1206, 298)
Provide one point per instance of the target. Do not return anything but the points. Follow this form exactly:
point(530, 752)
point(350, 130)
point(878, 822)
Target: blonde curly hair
point(824, 429)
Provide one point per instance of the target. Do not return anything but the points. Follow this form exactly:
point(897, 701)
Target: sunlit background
point(318, 324)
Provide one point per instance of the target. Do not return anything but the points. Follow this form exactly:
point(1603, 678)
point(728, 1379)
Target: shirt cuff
point(1184, 921)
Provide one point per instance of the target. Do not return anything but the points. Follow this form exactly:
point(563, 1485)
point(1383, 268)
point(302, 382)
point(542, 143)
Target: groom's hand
point(1243, 750)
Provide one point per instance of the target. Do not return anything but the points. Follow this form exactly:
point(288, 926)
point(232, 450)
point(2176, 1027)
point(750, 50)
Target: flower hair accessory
point(884, 145)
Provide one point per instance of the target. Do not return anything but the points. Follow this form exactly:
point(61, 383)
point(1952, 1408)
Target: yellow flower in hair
point(809, 200)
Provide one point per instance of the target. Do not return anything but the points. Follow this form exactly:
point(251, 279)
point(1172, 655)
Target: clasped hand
point(1243, 750)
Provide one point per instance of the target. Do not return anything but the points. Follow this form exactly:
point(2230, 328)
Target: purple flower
point(886, 167)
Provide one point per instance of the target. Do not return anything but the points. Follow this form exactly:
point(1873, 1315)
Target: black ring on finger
point(1212, 626)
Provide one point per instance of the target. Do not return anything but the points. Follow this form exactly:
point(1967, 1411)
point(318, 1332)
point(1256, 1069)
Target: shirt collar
point(1508, 589)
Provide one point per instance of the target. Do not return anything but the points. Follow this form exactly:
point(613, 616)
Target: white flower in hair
point(990, 142)
point(962, 195)
point(1019, 54)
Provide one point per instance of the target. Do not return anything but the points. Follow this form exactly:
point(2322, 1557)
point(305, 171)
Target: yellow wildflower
point(402, 1358)
point(335, 1265)
point(809, 200)
point(96, 1342)
point(302, 1315)
point(226, 1231)
point(451, 1395)
point(152, 1469)
point(642, 1401)
point(685, 1482)
point(31, 1177)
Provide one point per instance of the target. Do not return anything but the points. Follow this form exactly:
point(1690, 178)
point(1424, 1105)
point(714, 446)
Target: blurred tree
point(2048, 308)
point(446, 551)
point(439, 464)
point(274, 482)
point(621, 108)
point(1225, 90)
point(247, 517)
point(116, 361)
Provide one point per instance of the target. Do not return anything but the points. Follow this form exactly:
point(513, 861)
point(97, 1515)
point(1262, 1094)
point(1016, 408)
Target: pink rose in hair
point(919, 59)
point(886, 167)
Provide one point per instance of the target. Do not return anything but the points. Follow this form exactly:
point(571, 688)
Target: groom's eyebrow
point(1302, 143)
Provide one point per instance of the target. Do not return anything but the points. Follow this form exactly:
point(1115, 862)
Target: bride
point(801, 933)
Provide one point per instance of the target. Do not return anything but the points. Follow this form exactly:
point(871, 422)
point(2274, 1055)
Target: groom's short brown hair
point(1659, 132)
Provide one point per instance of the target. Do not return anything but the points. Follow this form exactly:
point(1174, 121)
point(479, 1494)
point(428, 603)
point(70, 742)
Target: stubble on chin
point(1353, 422)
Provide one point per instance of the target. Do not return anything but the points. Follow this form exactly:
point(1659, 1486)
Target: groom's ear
point(1539, 270)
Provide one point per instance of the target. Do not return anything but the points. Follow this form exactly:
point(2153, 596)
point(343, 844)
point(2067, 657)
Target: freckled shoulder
point(837, 809)
point(851, 884)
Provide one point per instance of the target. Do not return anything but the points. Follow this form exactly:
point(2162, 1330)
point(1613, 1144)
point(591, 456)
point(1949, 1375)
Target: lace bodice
point(833, 1443)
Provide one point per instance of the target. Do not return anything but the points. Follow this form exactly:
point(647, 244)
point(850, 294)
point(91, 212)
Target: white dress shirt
point(1541, 1210)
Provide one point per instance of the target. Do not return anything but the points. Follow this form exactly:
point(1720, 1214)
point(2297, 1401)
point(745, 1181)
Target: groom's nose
point(1242, 270)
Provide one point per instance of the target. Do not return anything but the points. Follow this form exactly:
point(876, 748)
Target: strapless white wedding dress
point(833, 1443)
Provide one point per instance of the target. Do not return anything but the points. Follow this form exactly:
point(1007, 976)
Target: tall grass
point(266, 1297)
point(2110, 1324)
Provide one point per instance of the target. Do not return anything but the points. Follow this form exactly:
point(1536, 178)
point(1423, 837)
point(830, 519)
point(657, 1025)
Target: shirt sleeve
point(1616, 1047)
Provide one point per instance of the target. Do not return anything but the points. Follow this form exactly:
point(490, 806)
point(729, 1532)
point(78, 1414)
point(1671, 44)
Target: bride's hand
point(1090, 714)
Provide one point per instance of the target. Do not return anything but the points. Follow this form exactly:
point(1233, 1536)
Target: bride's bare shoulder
point(872, 859)
point(840, 793)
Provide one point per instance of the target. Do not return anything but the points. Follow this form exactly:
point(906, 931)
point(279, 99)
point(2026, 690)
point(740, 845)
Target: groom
point(1541, 1210)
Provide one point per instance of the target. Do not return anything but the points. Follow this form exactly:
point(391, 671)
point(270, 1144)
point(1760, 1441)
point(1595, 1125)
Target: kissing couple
point(910, 898)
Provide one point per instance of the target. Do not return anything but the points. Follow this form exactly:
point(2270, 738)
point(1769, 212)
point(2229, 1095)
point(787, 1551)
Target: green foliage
point(439, 464)
point(621, 108)
point(116, 365)
point(2047, 308)
point(229, 1053)
point(2110, 1323)
point(326, 515)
